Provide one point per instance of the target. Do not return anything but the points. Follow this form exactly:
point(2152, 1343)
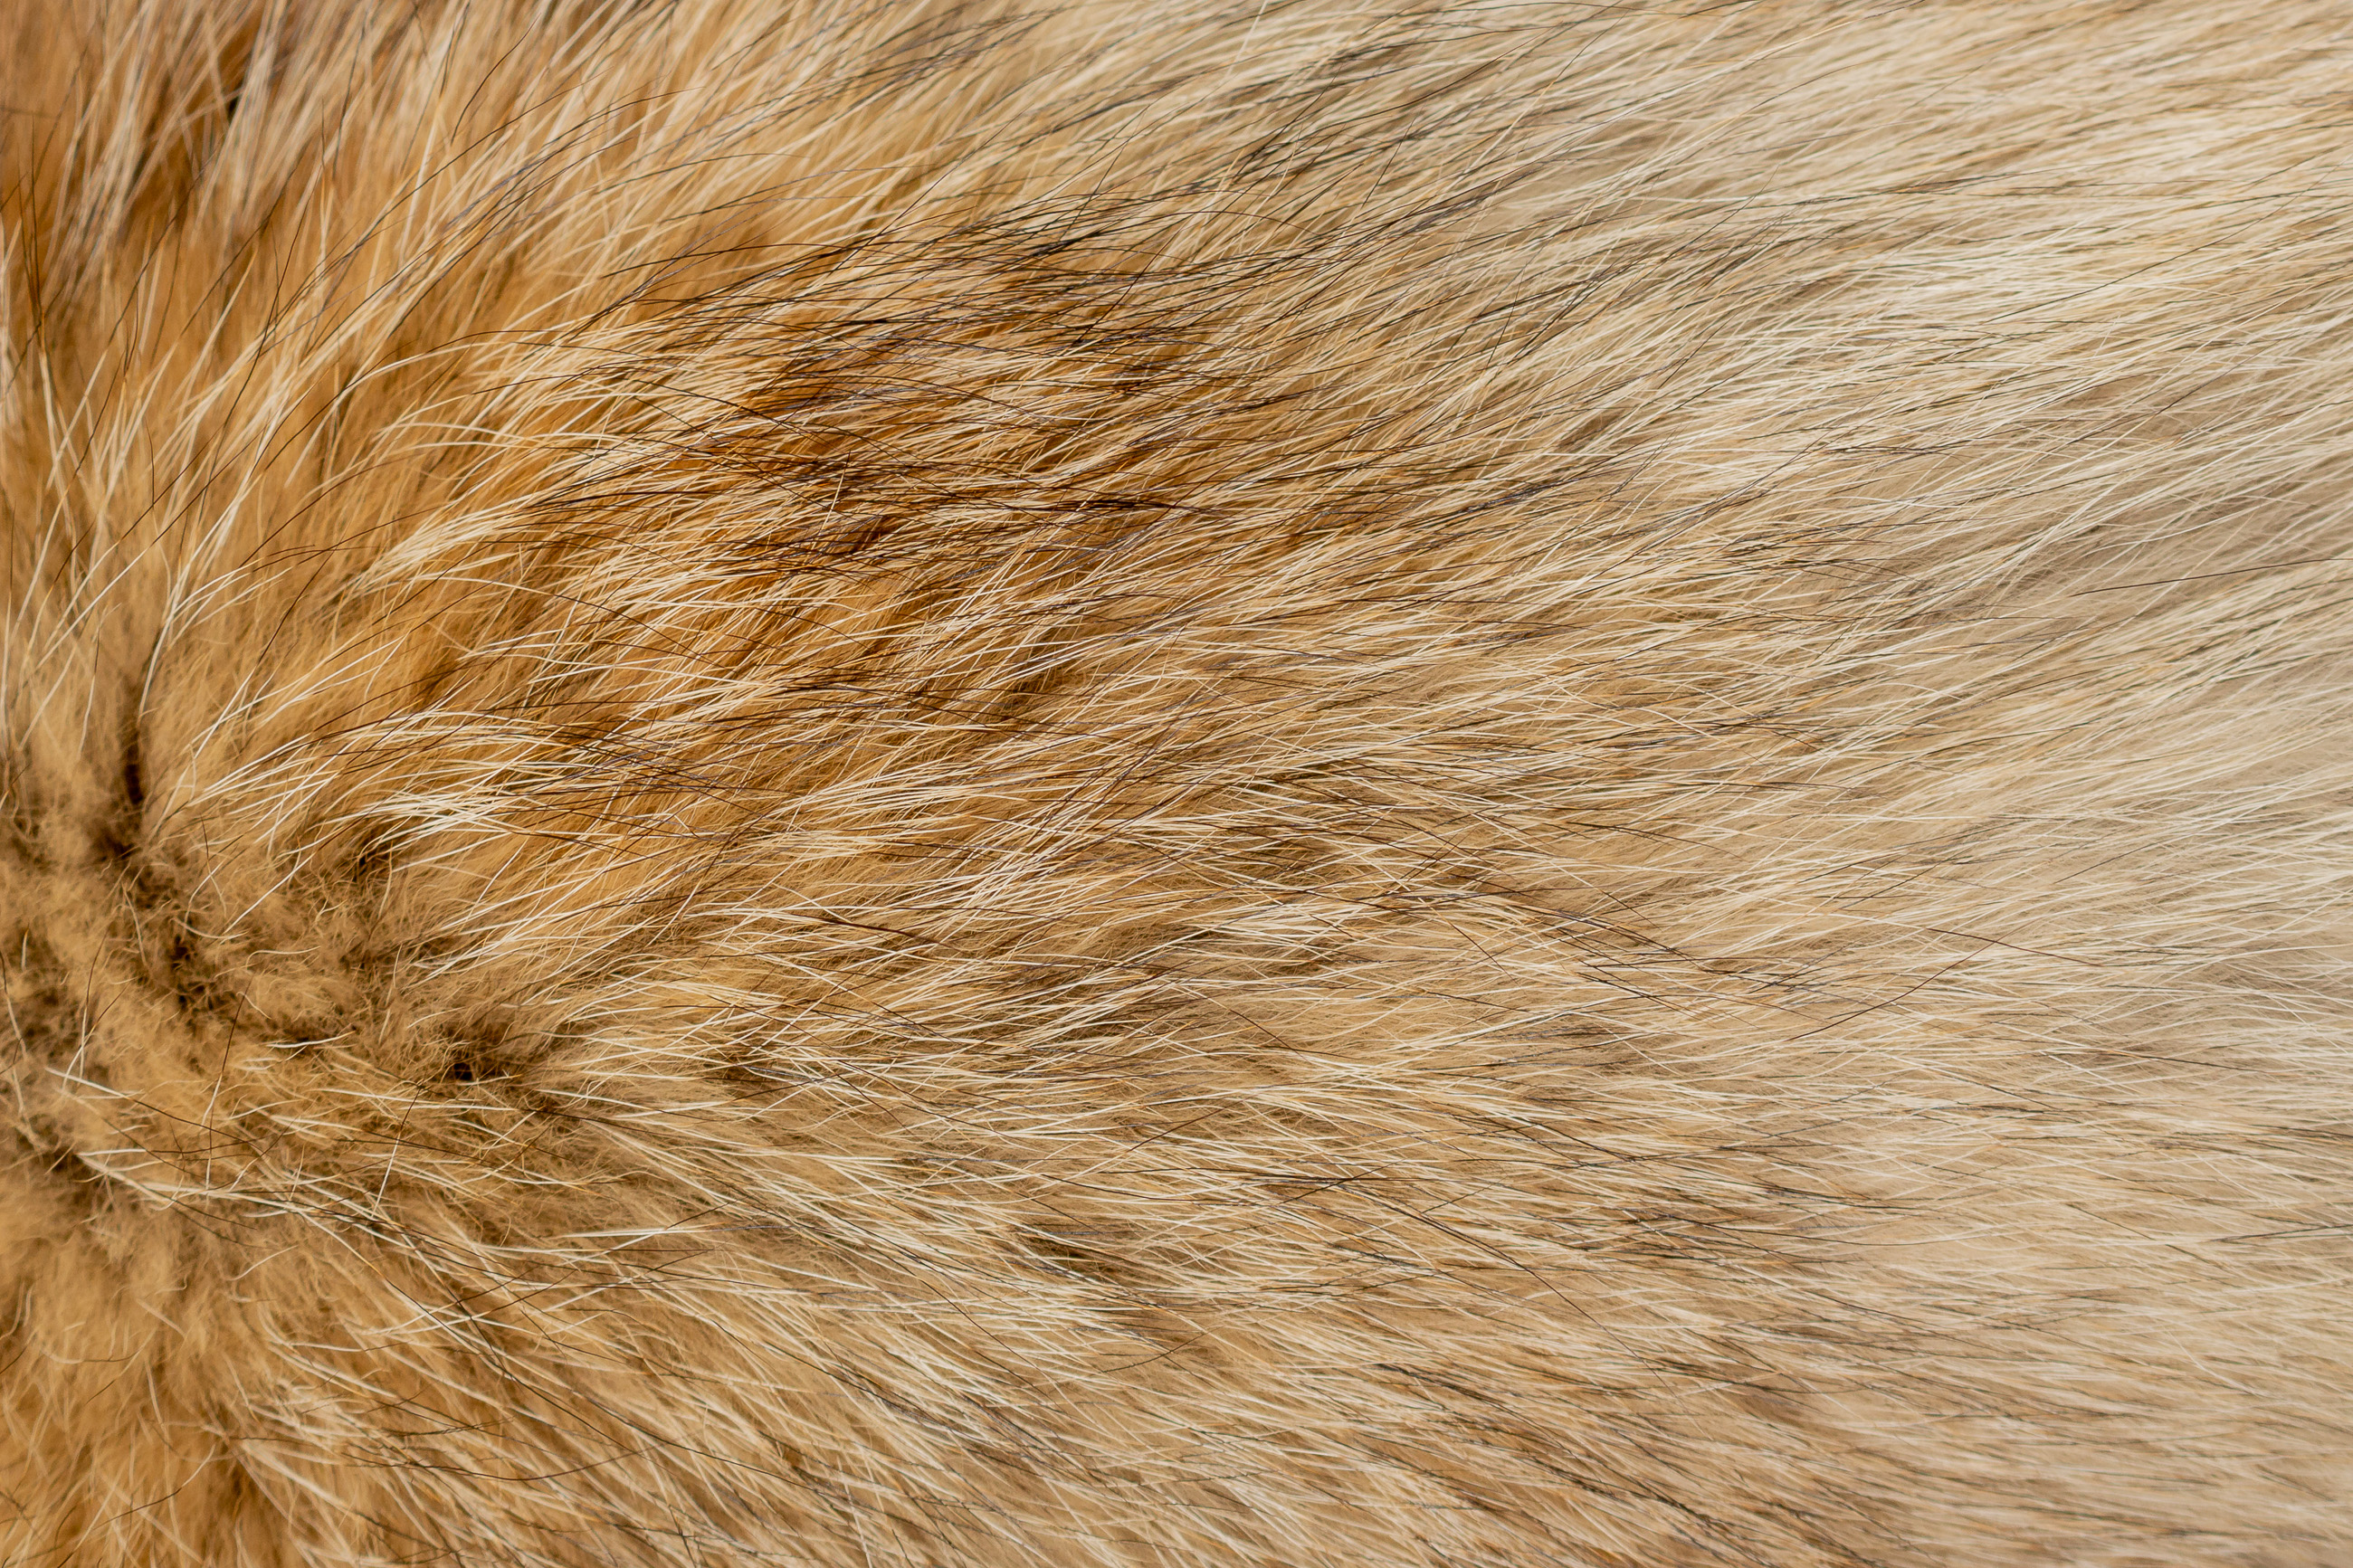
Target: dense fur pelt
point(1176, 785)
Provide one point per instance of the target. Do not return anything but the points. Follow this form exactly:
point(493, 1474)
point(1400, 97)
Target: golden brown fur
point(1287, 784)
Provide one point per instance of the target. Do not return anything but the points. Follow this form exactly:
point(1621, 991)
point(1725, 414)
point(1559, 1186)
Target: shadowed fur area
point(1309, 784)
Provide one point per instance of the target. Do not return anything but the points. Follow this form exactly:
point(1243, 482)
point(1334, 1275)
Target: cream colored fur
point(1176, 785)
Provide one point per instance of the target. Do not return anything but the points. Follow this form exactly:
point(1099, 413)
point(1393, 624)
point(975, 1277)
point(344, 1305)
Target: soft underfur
point(1290, 784)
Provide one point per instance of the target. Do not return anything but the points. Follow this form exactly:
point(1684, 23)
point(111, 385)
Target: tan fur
point(1163, 784)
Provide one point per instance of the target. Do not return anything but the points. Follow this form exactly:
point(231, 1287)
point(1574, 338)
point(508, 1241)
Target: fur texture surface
point(1176, 785)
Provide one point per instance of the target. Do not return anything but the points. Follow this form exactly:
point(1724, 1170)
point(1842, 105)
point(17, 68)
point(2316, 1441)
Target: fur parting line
point(1168, 783)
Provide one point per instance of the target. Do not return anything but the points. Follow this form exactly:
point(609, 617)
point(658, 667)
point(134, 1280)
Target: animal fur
point(1302, 784)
